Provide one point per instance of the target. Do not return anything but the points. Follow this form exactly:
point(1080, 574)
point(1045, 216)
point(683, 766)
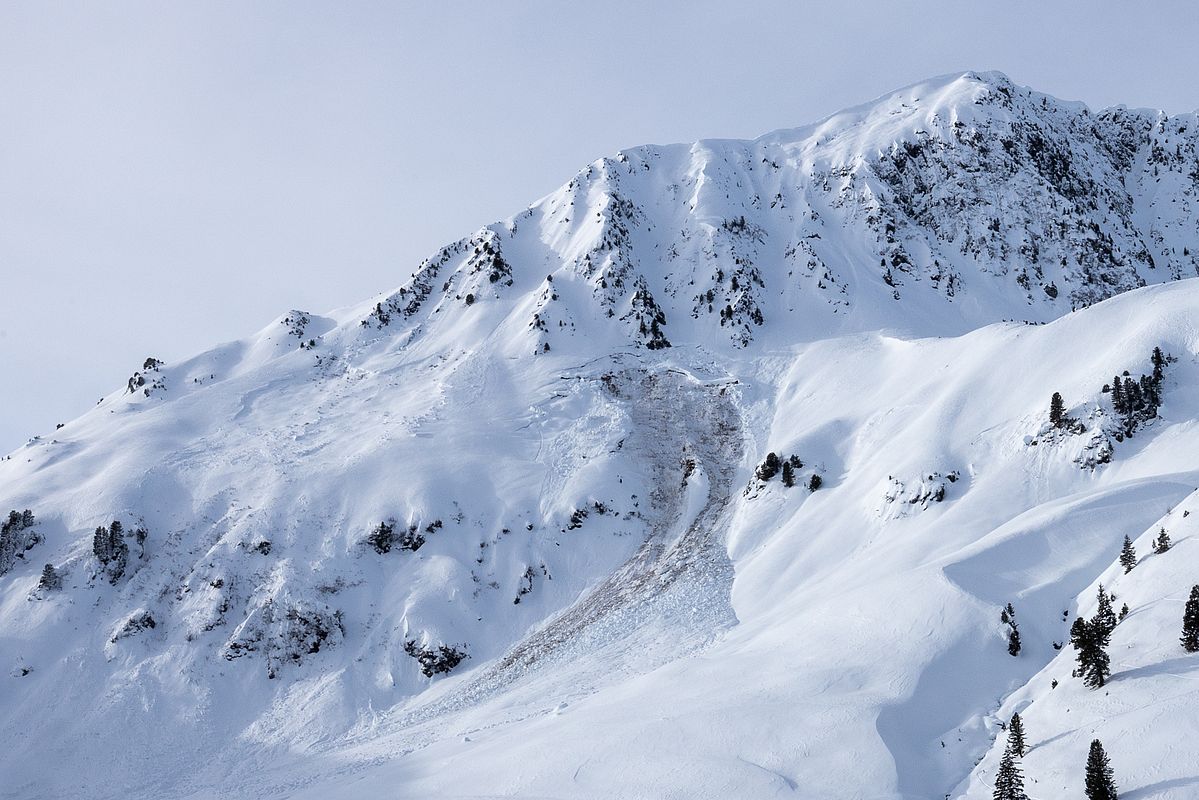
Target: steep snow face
point(501, 531)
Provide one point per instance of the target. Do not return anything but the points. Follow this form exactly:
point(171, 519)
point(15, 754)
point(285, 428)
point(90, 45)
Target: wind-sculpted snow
point(506, 530)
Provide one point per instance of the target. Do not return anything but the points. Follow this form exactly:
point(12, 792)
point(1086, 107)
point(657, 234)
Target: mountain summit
point(728, 469)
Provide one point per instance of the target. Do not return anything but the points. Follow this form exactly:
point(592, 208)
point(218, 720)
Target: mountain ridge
point(432, 543)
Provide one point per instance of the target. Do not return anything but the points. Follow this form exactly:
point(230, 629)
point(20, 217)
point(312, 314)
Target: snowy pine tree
point(1009, 783)
point(1100, 783)
point(1190, 622)
point(1128, 556)
point(50, 580)
point(1162, 543)
point(1090, 640)
point(1119, 400)
point(1008, 617)
point(108, 545)
point(1159, 365)
point(1104, 616)
point(768, 468)
point(788, 474)
point(1057, 410)
point(16, 537)
point(1015, 736)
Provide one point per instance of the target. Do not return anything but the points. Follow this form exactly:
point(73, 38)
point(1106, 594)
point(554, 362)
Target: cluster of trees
point(649, 316)
point(1099, 777)
point(16, 536)
point(138, 379)
point(138, 622)
point(385, 536)
point(110, 549)
point(1091, 637)
point(1008, 617)
point(434, 660)
point(773, 465)
point(576, 519)
point(1136, 400)
point(526, 584)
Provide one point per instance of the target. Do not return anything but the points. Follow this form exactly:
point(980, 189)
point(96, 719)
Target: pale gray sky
point(174, 175)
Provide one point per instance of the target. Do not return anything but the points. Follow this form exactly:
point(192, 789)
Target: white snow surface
point(569, 406)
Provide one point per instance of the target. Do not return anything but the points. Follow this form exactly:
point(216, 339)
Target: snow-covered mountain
point(504, 531)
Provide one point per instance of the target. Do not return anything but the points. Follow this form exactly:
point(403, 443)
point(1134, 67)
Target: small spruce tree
point(1008, 617)
point(1119, 400)
point(1162, 543)
point(1104, 616)
point(1009, 783)
point(1128, 556)
point(788, 474)
point(815, 482)
point(1190, 622)
point(1057, 410)
point(768, 468)
point(1159, 365)
point(1090, 640)
point(1133, 399)
point(1015, 736)
point(50, 580)
point(1100, 782)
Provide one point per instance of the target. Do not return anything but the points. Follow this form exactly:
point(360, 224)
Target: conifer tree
point(1100, 783)
point(1015, 736)
point(1090, 640)
point(1153, 399)
point(1008, 617)
point(1057, 410)
point(108, 545)
point(1009, 783)
point(1159, 365)
point(1133, 399)
point(815, 482)
point(769, 467)
point(788, 474)
point(1119, 401)
point(1190, 622)
point(1104, 616)
point(50, 579)
point(1128, 556)
point(1162, 543)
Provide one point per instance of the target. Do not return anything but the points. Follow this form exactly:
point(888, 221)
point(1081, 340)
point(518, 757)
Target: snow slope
point(560, 417)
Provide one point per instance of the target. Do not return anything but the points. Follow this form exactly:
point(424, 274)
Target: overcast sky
point(174, 175)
